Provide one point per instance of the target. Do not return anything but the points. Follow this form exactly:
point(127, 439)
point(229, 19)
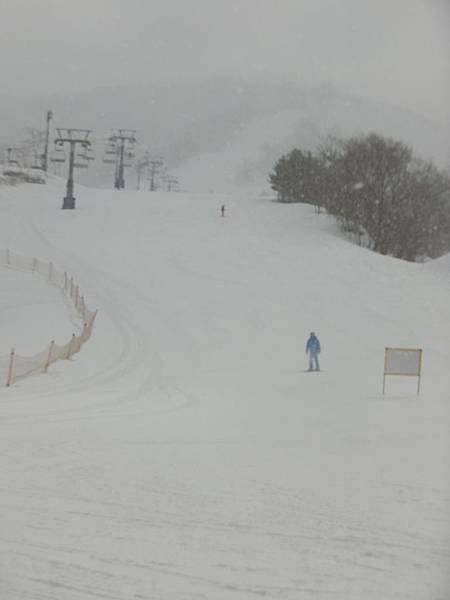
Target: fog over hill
point(182, 121)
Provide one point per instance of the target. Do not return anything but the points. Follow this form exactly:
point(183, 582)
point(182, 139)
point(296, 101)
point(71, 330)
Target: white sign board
point(403, 361)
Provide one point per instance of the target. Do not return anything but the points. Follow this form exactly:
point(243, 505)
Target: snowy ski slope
point(185, 453)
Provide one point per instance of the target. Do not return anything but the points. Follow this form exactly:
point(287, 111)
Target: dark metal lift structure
point(73, 137)
point(120, 151)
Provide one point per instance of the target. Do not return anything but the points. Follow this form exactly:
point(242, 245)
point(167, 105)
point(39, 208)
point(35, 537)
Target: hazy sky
point(392, 50)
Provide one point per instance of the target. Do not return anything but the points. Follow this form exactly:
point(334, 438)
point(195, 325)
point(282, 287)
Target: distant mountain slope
point(246, 159)
point(249, 155)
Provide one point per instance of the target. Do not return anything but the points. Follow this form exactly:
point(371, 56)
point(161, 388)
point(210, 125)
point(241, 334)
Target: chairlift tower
point(172, 183)
point(121, 144)
point(47, 135)
point(154, 166)
point(72, 137)
point(140, 168)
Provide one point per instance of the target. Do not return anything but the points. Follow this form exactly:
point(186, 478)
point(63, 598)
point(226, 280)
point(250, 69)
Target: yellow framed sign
point(406, 362)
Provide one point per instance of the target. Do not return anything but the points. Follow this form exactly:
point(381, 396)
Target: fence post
point(91, 324)
point(69, 350)
point(71, 287)
point(49, 356)
point(76, 296)
point(33, 268)
point(10, 369)
point(65, 281)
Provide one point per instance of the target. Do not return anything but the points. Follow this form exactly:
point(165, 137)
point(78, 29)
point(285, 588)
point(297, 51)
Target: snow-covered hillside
point(245, 160)
point(185, 452)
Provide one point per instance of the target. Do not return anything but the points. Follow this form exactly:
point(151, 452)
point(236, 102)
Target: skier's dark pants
point(314, 361)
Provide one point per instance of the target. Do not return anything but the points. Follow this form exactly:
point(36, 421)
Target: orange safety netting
point(15, 366)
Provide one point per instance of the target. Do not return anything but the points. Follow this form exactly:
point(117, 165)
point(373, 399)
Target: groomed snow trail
point(185, 453)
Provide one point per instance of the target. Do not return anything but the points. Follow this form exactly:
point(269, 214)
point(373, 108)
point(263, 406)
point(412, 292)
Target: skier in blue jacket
point(313, 349)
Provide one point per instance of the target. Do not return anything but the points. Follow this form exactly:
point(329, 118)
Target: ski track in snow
point(133, 346)
point(183, 454)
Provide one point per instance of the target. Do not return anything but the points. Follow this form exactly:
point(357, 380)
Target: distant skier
point(313, 349)
point(222, 210)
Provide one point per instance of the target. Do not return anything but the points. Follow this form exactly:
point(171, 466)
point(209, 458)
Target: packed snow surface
point(185, 453)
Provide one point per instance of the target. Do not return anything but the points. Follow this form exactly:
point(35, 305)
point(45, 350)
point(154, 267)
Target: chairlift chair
point(58, 155)
point(111, 148)
point(80, 164)
point(85, 154)
point(80, 158)
point(36, 164)
point(89, 154)
point(12, 160)
point(128, 159)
